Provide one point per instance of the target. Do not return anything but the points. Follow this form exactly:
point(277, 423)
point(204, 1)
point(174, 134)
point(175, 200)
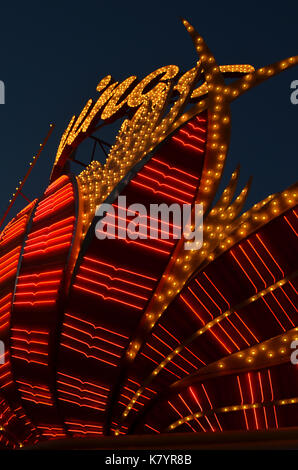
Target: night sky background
point(54, 54)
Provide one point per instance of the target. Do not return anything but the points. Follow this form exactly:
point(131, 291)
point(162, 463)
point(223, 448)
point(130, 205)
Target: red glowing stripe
point(38, 275)
point(282, 289)
point(192, 136)
point(197, 357)
point(215, 415)
point(225, 347)
point(80, 397)
point(77, 431)
point(217, 290)
point(170, 334)
point(123, 404)
point(207, 396)
point(84, 268)
point(196, 398)
point(263, 244)
point(212, 428)
point(273, 295)
point(55, 240)
point(47, 250)
point(159, 339)
point(264, 408)
point(241, 396)
point(186, 360)
point(95, 327)
point(119, 269)
point(133, 391)
point(128, 399)
point(192, 412)
point(230, 338)
point(166, 176)
point(153, 429)
point(270, 382)
point(197, 149)
point(6, 324)
point(54, 208)
point(160, 192)
point(212, 300)
point(256, 270)
point(21, 358)
point(13, 236)
point(116, 217)
point(184, 402)
point(196, 128)
point(293, 287)
point(29, 341)
point(220, 342)
point(12, 264)
point(13, 230)
point(90, 346)
point(28, 351)
point(36, 395)
point(175, 169)
point(134, 382)
point(81, 405)
point(76, 423)
point(30, 332)
point(239, 333)
point(36, 302)
point(261, 387)
point(33, 244)
point(243, 270)
point(67, 325)
point(12, 253)
point(6, 306)
point(165, 368)
point(246, 326)
point(49, 229)
point(85, 383)
point(111, 287)
point(142, 245)
point(192, 309)
point(180, 355)
point(141, 175)
point(39, 402)
point(53, 203)
point(131, 213)
point(275, 416)
point(88, 356)
point(27, 384)
point(179, 367)
point(57, 196)
point(261, 259)
point(23, 285)
point(107, 297)
point(8, 275)
point(179, 414)
point(252, 400)
point(289, 223)
point(4, 299)
point(56, 184)
point(35, 294)
point(273, 314)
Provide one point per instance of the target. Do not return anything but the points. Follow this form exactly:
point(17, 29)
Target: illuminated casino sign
point(142, 336)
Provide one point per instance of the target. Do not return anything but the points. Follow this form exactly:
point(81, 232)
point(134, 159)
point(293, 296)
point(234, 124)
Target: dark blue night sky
point(53, 55)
